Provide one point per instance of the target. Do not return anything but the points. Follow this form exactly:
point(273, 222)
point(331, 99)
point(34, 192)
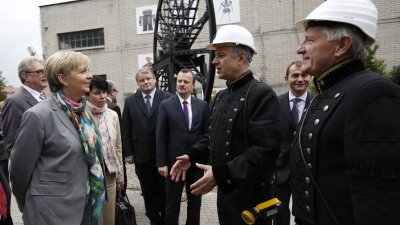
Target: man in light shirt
point(31, 74)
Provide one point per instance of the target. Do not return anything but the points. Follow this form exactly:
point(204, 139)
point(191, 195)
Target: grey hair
point(111, 85)
point(358, 49)
point(26, 66)
point(237, 49)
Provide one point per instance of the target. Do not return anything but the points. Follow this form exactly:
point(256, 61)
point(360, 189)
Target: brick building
point(114, 45)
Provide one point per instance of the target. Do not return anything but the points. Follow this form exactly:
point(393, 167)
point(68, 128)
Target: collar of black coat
point(336, 73)
point(242, 80)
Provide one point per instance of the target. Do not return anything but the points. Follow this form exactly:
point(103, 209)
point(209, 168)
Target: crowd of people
point(336, 153)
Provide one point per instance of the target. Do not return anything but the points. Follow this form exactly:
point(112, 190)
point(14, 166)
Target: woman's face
point(97, 97)
point(77, 83)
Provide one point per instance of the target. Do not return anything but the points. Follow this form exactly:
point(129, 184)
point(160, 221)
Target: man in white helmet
point(244, 136)
point(345, 163)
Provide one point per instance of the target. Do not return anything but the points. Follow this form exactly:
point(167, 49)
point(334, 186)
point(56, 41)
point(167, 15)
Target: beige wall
point(270, 21)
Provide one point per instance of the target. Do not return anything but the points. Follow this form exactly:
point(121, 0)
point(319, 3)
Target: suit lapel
point(156, 102)
point(140, 102)
point(178, 106)
point(286, 109)
point(64, 118)
point(309, 97)
point(28, 97)
point(195, 111)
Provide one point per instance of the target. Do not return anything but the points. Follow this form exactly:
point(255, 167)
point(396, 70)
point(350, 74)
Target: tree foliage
point(374, 64)
point(3, 82)
point(394, 74)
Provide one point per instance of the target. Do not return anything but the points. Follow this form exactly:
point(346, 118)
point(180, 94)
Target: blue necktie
point(295, 110)
point(148, 104)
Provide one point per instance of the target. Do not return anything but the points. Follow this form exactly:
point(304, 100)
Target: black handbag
point(124, 211)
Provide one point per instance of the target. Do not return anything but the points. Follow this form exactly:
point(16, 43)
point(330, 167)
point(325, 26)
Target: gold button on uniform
point(227, 143)
point(308, 150)
point(230, 120)
point(227, 153)
point(308, 209)
point(229, 181)
point(336, 95)
point(306, 194)
point(316, 122)
point(228, 131)
point(242, 99)
point(309, 166)
point(325, 108)
point(307, 180)
point(309, 136)
point(235, 109)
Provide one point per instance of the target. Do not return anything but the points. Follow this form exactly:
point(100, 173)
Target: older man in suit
point(292, 105)
point(30, 72)
point(182, 120)
point(139, 142)
point(112, 98)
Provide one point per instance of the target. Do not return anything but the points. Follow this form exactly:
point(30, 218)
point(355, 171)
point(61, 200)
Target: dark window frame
point(85, 39)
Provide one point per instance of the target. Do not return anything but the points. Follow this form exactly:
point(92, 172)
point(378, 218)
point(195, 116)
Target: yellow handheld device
point(270, 207)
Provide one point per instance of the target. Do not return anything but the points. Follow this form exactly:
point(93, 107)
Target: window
point(81, 39)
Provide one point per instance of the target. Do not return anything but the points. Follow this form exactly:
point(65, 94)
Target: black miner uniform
point(242, 167)
point(350, 139)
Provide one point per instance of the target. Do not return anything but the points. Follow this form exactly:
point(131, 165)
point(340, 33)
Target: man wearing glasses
point(112, 98)
point(30, 72)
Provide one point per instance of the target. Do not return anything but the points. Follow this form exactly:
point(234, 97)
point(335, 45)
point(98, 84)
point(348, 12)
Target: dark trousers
point(283, 194)
point(230, 207)
point(153, 190)
point(4, 168)
point(173, 199)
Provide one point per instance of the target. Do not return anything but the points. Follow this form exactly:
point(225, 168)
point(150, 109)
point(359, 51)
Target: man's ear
point(343, 46)
point(24, 77)
point(243, 57)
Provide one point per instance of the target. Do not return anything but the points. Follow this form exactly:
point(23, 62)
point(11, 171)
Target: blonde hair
point(144, 71)
point(63, 62)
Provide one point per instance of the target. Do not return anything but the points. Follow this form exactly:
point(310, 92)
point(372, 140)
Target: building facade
point(108, 32)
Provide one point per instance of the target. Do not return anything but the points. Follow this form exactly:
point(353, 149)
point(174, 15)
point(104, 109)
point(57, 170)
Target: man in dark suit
point(292, 105)
point(30, 72)
point(112, 98)
point(139, 142)
point(182, 120)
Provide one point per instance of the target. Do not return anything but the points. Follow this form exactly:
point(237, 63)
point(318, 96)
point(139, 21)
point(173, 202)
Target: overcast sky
point(20, 28)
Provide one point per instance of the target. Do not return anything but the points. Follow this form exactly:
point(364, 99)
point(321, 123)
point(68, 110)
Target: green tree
point(372, 63)
point(3, 82)
point(394, 74)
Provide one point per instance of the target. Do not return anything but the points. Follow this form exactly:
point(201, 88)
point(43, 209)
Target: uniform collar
point(238, 83)
point(337, 72)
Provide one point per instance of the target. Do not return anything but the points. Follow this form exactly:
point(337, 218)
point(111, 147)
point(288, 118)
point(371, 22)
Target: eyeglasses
point(37, 72)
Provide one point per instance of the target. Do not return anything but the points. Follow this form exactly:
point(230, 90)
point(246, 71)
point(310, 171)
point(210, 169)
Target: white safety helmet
point(233, 34)
point(359, 13)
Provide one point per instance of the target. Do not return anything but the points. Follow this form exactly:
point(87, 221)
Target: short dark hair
point(297, 63)
point(99, 83)
point(186, 70)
